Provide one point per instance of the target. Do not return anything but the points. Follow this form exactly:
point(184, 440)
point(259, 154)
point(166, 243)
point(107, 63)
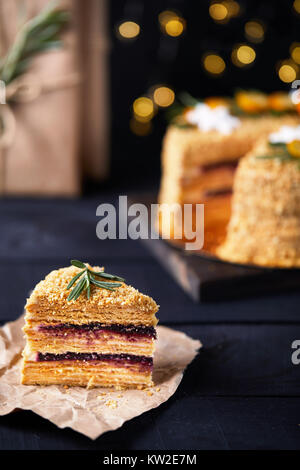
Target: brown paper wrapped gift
point(60, 128)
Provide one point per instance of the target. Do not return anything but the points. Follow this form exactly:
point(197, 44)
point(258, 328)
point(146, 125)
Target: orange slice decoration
point(214, 101)
point(280, 101)
point(251, 102)
point(294, 148)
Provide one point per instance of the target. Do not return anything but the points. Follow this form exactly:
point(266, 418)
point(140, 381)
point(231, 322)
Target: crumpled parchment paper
point(95, 411)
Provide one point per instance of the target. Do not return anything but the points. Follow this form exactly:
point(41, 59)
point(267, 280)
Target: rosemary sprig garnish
point(37, 35)
point(86, 278)
point(279, 145)
point(277, 156)
point(283, 154)
point(188, 100)
point(174, 115)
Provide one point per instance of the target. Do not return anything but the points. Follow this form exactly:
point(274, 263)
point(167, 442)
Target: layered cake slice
point(203, 144)
point(265, 222)
point(85, 327)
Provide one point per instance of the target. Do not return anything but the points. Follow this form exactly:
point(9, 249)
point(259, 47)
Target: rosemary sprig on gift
point(39, 34)
point(87, 277)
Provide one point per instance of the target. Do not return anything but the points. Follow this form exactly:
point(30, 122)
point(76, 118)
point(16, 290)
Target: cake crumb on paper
point(111, 404)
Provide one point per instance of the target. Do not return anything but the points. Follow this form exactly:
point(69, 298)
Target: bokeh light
point(243, 55)
point(254, 31)
point(222, 12)
point(295, 52)
point(163, 96)
point(143, 109)
point(287, 71)
point(296, 6)
point(214, 64)
point(129, 30)
point(171, 23)
point(174, 27)
point(218, 11)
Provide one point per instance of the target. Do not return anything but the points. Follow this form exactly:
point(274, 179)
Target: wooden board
point(205, 278)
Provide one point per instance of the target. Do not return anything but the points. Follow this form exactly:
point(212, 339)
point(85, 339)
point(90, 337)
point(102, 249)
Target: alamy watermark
point(296, 354)
point(295, 92)
point(137, 221)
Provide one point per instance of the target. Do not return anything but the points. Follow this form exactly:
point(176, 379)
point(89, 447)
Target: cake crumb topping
point(53, 290)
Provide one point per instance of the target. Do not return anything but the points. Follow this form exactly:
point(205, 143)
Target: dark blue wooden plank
point(37, 229)
point(243, 360)
point(184, 422)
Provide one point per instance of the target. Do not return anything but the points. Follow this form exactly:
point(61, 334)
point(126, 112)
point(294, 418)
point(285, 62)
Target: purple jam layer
point(131, 331)
point(220, 165)
point(118, 359)
point(217, 192)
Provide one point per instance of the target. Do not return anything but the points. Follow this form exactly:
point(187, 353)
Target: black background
point(155, 58)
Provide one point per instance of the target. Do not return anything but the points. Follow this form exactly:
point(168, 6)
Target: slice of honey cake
point(85, 327)
point(264, 228)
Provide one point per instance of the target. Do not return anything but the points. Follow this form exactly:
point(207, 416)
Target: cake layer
point(125, 305)
point(207, 181)
point(97, 373)
point(80, 317)
point(265, 220)
point(114, 339)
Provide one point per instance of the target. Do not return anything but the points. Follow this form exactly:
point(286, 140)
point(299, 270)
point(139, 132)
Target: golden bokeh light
point(243, 55)
point(163, 96)
point(140, 128)
point(129, 29)
point(214, 64)
point(287, 71)
point(221, 12)
point(254, 31)
point(218, 11)
point(296, 6)
point(171, 23)
point(246, 54)
point(143, 109)
point(175, 27)
point(295, 52)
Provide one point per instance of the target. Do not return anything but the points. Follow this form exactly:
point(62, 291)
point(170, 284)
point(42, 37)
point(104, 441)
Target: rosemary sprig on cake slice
point(87, 277)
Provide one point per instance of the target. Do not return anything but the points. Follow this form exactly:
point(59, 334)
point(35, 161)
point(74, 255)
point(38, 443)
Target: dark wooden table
point(241, 392)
